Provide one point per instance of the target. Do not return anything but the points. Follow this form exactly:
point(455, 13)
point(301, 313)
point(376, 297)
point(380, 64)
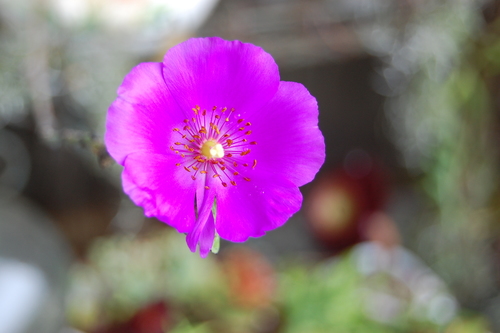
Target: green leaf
point(216, 244)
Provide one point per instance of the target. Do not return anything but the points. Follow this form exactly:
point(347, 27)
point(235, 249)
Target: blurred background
point(399, 232)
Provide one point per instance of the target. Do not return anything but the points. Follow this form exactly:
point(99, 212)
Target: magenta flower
point(213, 143)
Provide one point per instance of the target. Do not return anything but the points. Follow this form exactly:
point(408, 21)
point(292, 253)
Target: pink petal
point(253, 207)
point(163, 189)
point(214, 72)
point(141, 119)
point(289, 142)
point(204, 230)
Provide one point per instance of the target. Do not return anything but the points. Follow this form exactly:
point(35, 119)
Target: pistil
point(212, 149)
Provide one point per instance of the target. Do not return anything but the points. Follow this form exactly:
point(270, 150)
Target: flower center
point(212, 149)
point(215, 143)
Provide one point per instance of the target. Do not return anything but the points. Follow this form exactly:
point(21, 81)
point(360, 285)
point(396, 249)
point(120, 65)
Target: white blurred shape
point(72, 12)
point(29, 239)
point(429, 296)
point(383, 307)
point(134, 14)
point(23, 287)
point(371, 258)
point(442, 309)
point(191, 13)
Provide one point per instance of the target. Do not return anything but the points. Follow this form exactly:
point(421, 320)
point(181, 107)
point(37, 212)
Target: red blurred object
point(251, 278)
point(339, 201)
point(150, 319)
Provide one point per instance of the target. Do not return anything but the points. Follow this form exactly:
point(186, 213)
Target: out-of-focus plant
point(325, 297)
point(363, 291)
point(127, 273)
point(126, 276)
point(61, 60)
point(153, 284)
point(440, 79)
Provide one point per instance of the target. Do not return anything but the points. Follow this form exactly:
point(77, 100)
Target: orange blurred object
point(381, 229)
point(251, 278)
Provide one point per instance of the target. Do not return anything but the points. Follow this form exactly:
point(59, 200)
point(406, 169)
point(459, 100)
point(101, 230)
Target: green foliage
point(332, 297)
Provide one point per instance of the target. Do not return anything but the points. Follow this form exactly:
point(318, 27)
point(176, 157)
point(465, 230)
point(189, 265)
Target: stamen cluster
point(212, 143)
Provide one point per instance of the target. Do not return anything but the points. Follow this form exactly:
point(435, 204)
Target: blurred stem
point(38, 76)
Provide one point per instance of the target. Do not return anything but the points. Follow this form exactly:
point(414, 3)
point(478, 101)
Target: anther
point(246, 178)
point(175, 130)
point(253, 142)
point(186, 128)
point(244, 140)
point(177, 164)
point(214, 108)
point(248, 132)
point(254, 164)
point(204, 113)
point(229, 142)
point(186, 168)
point(233, 182)
point(235, 164)
point(207, 188)
point(182, 155)
point(194, 168)
point(245, 164)
point(240, 121)
point(224, 184)
point(193, 177)
point(248, 124)
point(177, 143)
point(236, 173)
point(241, 128)
point(215, 176)
point(223, 110)
point(229, 155)
point(203, 172)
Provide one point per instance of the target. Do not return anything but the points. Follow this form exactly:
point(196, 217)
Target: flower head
point(213, 143)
